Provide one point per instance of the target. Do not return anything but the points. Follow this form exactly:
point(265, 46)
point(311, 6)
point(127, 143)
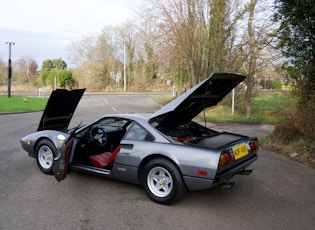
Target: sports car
point(166, 153)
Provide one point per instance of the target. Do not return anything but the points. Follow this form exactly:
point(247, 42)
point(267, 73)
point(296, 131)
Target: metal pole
point(233, 100)
point(9, 68)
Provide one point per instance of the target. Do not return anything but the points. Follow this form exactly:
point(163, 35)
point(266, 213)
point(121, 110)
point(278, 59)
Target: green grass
point(21, 104)
point(267, 107)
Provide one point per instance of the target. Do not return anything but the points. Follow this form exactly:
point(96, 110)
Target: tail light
point(253, 145)
point(225, 158)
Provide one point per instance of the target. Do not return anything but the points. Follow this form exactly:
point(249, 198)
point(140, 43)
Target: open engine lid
point(59, 109)
point(207, 93)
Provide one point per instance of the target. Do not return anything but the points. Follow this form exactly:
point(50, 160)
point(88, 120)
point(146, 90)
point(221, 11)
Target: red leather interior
point(104, 159)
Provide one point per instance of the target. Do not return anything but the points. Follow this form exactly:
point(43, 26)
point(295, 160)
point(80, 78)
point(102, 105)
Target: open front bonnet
point(207, 93)
point(59, 109)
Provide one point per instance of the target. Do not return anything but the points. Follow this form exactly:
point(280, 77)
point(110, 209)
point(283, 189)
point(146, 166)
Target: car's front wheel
point(162, 181)
point(45, 153)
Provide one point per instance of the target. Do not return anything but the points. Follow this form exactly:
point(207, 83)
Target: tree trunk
point(252, 59)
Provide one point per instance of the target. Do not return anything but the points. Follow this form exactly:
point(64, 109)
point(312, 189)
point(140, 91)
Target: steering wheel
point(98, 136)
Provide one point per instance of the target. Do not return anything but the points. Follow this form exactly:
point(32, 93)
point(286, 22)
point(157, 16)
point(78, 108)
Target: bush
point(286, 131)
point(64, 78)
point(289, 140)
point(276, 85)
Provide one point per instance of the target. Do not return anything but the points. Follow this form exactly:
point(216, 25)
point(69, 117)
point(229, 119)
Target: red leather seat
point(104, 159)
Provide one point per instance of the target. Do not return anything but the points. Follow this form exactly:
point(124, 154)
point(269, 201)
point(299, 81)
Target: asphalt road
point(280, 194)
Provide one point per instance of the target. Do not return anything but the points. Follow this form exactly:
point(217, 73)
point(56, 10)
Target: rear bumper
point(225, 176)
point(196, 183)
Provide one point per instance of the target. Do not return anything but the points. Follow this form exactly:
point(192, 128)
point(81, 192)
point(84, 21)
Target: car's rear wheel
point(162, 181)
point(45, 153)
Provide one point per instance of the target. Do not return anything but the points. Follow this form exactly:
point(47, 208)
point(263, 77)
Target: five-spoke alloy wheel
point(162, 181)
point(45, 153)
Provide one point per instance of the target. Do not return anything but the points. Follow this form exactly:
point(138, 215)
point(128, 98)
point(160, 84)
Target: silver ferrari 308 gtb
point(167, 153)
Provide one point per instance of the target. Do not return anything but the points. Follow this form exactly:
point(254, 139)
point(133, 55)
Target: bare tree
point(147, 50)
point(94, 56)
point(198, 36)
point(181, 23)
point(26, 68)
point(182, 40)
point(108, 51)
point(260, 35)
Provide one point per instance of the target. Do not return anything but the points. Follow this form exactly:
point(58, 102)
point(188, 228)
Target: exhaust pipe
point(227, 185)
point(246, 172)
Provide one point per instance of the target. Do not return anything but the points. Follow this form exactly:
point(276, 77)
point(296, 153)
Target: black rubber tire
point(45, 163)
point(169, 190)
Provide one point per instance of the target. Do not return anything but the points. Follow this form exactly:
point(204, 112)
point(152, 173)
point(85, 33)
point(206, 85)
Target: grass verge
point(289, 141)
point(17, 104)
point(267, 107)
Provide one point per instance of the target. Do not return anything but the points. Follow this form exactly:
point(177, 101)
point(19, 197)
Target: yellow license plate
point(240, 151)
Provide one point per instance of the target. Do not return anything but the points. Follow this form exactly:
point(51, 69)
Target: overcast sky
point(42, 29)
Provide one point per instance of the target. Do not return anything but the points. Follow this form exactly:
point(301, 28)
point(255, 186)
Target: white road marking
point(107, 102)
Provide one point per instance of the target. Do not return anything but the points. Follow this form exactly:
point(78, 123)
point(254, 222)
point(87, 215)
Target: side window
point(137, 133)
point(109, 124)
point(113, 123)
